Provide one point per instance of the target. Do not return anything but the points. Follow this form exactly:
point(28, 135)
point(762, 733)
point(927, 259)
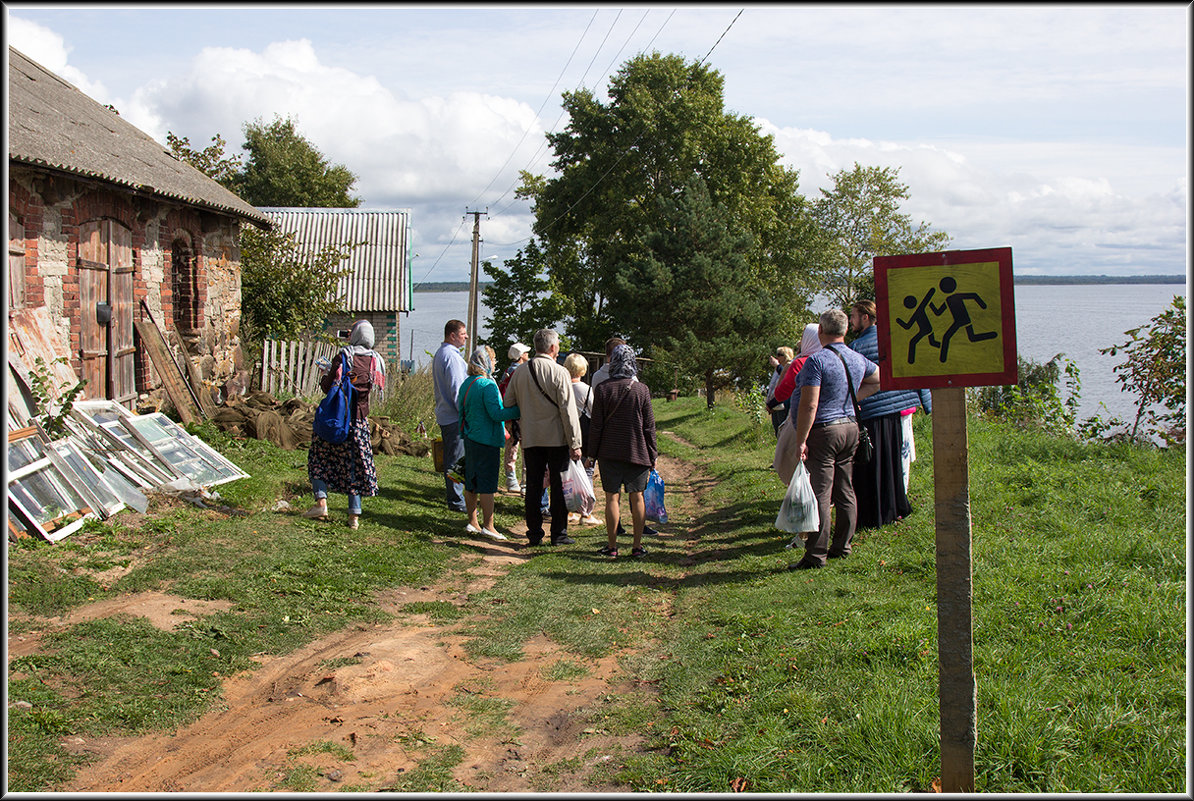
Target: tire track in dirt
point(400, 699)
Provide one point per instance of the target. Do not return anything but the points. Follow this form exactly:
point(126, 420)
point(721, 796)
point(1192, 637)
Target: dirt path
point(389, 702)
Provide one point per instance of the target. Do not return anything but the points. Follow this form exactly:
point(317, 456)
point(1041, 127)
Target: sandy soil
point(388, 707)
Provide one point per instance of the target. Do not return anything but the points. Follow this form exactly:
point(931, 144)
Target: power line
point(540, 111)
point(627, 150)
point(445, 250)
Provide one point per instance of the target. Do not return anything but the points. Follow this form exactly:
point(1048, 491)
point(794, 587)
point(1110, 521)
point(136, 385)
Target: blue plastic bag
point(653, 498)
point(333, 417)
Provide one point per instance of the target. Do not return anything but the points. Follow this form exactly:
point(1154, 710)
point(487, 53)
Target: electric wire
point(540, 111)
point(627, 150)
point(563, 112)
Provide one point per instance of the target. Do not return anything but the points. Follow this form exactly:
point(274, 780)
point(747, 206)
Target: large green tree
point(681, 291)
point(520, 299)
point(664, 123)
point(284, 169)
point(860, 219)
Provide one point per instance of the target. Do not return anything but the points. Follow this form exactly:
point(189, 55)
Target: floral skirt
point(347, 466)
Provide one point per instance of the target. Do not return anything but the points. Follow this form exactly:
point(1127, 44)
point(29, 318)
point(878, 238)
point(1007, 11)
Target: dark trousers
point(830, 468)
point(453, 450)
point(555, 461)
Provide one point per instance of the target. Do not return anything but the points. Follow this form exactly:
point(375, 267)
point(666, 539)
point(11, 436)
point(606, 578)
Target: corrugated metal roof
point(380, 278)
point(53, 125)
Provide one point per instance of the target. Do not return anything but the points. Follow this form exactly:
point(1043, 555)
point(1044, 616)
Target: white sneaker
point(513, 486)
point(493, 535)
point(589, 520)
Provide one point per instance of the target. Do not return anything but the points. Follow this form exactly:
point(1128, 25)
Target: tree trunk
point(955, 633)
point(710, 392)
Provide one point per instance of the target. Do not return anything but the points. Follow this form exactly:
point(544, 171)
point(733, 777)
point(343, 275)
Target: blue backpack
point(333, 417)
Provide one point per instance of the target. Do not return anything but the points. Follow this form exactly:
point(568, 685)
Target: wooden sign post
point(955, 327)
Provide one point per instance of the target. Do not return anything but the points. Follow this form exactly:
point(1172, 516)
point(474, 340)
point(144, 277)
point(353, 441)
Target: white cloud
point(1062, 208)
point(432, 153)
point(49, 49)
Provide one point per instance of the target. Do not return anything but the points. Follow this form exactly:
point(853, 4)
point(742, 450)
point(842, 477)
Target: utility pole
point(473, 297)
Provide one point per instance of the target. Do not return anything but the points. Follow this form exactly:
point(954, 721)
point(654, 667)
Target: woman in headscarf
point(482, 426)
point(786, 456)
point(348, 466)
point(622, 440)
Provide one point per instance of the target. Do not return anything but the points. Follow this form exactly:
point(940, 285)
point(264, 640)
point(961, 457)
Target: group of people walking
point(832, 390)
point(820, 396)
point(555, 419)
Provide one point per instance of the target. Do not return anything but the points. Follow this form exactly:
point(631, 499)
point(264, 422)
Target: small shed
point(107, 228)
point(378, 286)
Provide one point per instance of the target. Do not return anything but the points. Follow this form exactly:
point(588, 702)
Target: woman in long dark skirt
point(879, 487)
point(347, 466)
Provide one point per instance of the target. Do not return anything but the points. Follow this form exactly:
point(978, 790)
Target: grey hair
point(544, 339)
point(834, 323)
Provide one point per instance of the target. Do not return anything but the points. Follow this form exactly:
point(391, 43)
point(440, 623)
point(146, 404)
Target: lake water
point(1074, 320)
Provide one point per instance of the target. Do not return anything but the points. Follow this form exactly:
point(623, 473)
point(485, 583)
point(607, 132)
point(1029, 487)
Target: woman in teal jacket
point(482, 418)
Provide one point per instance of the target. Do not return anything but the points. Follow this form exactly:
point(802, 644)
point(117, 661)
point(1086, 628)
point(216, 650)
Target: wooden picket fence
point(290, 366)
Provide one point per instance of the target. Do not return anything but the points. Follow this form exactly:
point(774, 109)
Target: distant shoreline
point(448, 286)
point(1098, 279)
point(1060, 280)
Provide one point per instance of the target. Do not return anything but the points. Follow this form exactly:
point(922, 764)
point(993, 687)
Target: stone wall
point(50, 208)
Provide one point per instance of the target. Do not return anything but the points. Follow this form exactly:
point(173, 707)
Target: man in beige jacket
point(542, 390)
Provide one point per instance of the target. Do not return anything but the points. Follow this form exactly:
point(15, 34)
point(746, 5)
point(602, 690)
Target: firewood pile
point(287, 424)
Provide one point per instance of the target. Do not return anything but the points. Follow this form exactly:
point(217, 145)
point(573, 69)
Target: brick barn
point(105, 227)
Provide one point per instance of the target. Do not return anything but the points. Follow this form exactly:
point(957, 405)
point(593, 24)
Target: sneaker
point(316, 512)
point(354, 521)
point(589, 520)
point(650, 532)
point(796, 542)
point(535, 540)
point(636, 552)
point(563, 539)
point(605, 550)
point(573, 518)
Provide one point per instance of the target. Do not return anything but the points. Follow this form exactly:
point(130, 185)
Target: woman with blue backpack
point(341, 455)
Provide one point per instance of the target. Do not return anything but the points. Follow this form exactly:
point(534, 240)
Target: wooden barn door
point(106, 290)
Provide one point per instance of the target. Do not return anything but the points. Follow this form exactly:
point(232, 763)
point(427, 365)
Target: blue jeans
point(453, 450)
point(321, 492)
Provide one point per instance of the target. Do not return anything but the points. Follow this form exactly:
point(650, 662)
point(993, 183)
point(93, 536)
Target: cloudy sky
point(1061, 131)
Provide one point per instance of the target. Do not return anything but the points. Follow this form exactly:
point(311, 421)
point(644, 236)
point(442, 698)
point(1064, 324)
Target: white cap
point(517, 349)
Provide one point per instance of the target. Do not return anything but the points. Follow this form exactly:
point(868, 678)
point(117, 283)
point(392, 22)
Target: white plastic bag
point(578, 489)
point(798, 512)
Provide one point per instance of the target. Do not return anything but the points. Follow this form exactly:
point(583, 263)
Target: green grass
point(738, 673)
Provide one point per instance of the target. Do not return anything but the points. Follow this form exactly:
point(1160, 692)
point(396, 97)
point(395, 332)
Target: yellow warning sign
point(948, 320)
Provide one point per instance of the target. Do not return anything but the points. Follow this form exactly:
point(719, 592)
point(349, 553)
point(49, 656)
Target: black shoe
point(833, 555)
point(621, 532)
point(563, 540)
point(535, 540)
point(806, 564)
point(650, 532)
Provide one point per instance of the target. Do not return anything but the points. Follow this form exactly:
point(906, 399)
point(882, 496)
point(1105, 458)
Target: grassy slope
point(745, 674)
